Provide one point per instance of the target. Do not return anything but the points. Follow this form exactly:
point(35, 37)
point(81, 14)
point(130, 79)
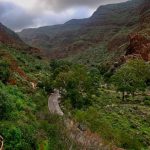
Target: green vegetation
point(77, 85)
point(131, 77)
point(4, 71)
point(86, 97)
point(25, 121)
point(99, 106)
point(113, 102)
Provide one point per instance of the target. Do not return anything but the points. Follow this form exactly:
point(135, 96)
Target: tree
point(131, 77)
point(45, 82)
point(59, 66)
point(78, 85)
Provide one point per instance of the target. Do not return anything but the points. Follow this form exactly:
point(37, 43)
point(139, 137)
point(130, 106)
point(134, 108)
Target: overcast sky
point(20, 14)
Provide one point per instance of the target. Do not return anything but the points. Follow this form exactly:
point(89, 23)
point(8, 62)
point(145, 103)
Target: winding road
point(87, 139)
point(53, 103)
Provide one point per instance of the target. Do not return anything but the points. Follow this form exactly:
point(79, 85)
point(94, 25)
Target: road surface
point(53, 103)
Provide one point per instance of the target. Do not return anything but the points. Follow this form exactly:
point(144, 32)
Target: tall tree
point(131, 77)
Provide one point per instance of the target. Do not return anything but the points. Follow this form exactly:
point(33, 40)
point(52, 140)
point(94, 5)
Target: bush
point(14, 137)
point(4, 71)
point(147, 100)
point(6, 105)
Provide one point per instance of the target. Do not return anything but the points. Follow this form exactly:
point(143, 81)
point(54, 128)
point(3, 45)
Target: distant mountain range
point(114, 31)
point(109, 26)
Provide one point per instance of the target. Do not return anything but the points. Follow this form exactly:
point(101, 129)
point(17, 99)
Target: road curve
point(53, 103)
point(86, 139)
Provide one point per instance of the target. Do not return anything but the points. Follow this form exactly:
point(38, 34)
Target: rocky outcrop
point(139, 46)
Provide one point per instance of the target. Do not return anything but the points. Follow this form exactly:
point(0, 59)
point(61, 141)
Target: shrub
point(6, 105)
point(4, 71)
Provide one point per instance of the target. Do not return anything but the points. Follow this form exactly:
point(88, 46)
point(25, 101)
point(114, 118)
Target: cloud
point(52, 18)
point(61, 5)
point(14, 16)
point(17, 14)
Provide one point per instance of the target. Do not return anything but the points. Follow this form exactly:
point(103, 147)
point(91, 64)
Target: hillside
point(94, 94)
point(25, 121)
point(109, 27)
point(11, 39)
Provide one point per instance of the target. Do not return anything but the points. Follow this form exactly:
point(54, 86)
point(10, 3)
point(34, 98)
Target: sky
point(21, 14)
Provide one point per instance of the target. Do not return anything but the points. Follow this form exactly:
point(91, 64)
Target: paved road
point(53, 103)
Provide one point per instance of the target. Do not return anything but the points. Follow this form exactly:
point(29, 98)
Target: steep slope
point(109, 25)
point(139, 45)
point(25, 122)
point(11, 39)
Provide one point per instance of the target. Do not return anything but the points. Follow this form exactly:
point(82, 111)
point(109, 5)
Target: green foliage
point(15, 137)
point(25, 122)
point(46, 82)
point(24, 109)
point(57, 67)
point(4, 71)
point(77, 84)
point(147, 100)
point(131, 77)
point(13, 109)
point(117, 123)
point(6, 105)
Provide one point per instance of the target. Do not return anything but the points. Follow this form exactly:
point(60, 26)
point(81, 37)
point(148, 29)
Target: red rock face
point(139, 46)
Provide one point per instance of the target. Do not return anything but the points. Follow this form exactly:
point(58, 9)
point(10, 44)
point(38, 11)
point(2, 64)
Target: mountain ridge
point(111, 24)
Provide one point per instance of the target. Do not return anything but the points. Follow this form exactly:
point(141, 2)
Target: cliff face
point(110, 25)
point(140, 46)
point(140, 40)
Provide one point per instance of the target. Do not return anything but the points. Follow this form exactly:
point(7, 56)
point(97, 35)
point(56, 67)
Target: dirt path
point(87, 139)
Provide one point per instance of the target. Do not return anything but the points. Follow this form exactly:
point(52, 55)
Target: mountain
point(109, 26)
point(11, 39)
point(105, 104)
